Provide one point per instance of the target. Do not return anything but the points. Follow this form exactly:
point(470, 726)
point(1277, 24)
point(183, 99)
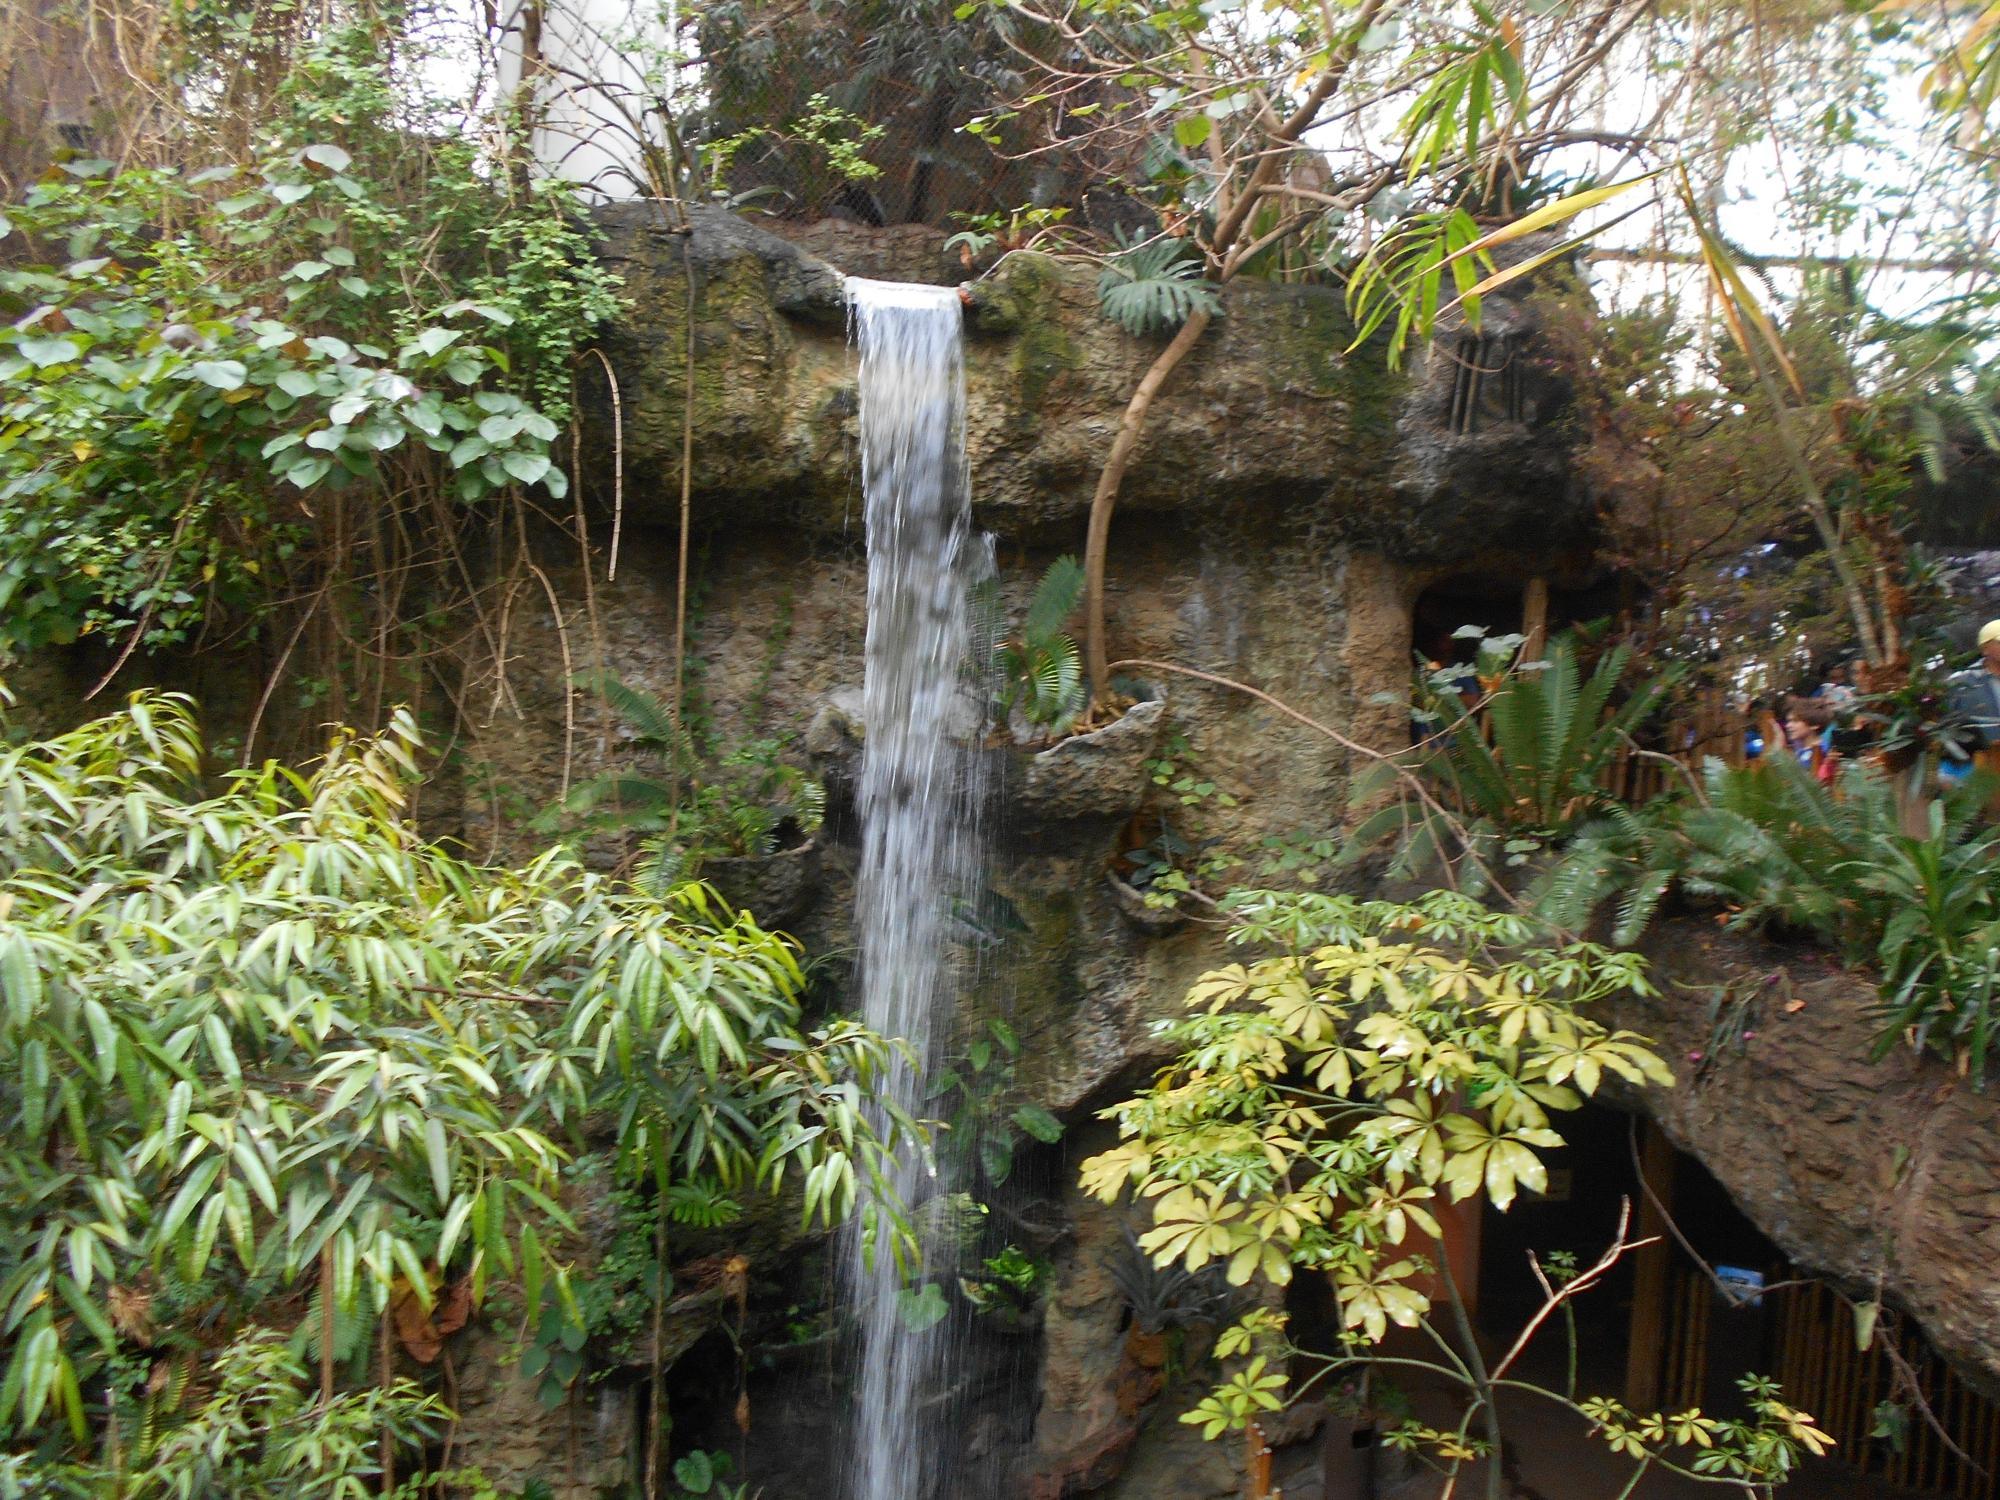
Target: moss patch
point(1024, 301)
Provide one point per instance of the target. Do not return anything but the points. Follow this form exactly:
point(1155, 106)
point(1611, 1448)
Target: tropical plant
point(205, 360)
point(1328, 1097)
point(1005, 230)
point(257, 1429)
point(1782, 851)
point(1152, 285)
point(984, 1124)
point(1008, 1283)
point(1490, 160)
point(748, 804)
point(1161, 1297)
point(1940, 945)
point(260, 1037)
point(1520, 767)
point(1037, 665)
point(705, 1474)
point(825, 147)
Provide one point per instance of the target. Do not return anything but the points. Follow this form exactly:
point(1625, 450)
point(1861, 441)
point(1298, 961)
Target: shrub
point(259, 1034)
point(1783, 852)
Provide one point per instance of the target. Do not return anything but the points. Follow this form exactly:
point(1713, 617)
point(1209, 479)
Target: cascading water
point(918, 821)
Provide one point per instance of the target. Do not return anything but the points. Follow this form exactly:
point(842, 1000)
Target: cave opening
point(1504, 603)
point(1661, 1334)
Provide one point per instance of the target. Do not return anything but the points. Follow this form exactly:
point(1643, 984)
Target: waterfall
point(918, 822)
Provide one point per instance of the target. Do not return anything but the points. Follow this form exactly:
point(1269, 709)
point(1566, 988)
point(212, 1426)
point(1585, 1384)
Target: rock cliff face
point(1269, 420)
point(1867, 1173)
point(1289, 503)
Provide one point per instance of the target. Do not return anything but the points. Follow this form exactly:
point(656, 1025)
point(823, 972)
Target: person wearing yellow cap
point(1975, 694)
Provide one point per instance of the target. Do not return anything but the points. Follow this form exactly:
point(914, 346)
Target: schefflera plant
point(1327, 1099)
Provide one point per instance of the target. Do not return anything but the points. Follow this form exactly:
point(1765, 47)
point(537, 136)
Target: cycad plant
point(1784, 853)
point(1523, 767)
point(1769, 842)
point(1039, 668)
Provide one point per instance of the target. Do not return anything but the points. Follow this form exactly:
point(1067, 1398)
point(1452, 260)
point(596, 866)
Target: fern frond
point(652, 718)
point(350, 1330)
point(810, 809)
point(701, 1204)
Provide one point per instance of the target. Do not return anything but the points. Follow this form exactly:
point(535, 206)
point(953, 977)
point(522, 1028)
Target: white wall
point(602, 63)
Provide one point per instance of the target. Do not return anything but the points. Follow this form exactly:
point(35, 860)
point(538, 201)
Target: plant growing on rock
point(1521, 766)
point(1153, 285)
point(748, 805)
point(1782, 852)
point(1170, 865)
point(1008, 1283)
point(1331, 1097)
point(983, 1123)
point(1036, 666)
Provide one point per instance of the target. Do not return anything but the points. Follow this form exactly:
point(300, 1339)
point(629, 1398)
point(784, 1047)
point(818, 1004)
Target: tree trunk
point(1105, 500)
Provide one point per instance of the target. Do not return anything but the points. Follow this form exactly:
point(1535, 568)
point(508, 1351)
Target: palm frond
point(1056, 598)
point(1154, 285)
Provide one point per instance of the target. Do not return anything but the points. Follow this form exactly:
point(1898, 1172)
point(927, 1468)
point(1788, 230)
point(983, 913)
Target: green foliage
point(1940, 943)
point(1008, 1284)
point(1003, 229)
point(553, 1354)
point(1039, 669)
point(1155, 285)
point(1312, 1113)
point(833, 140)
point(1478, 81)
point(1521, 767)
point(1172, 866)
point(1171, 1296)
point(261, 1032)
point(259, 1430)
point(192, 358)
point(1781, 850)
point(702, 1473)
point(1326, 1097)
point(1403, 275)
point(983, 1125)
point(750, 804)
point(1767, 1446)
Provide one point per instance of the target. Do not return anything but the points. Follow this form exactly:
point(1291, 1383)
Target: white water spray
point(918, 823)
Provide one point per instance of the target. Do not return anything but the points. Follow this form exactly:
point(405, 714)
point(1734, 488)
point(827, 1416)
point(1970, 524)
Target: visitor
point(1974, 695)
point(1838, 688)
point(1806, 723)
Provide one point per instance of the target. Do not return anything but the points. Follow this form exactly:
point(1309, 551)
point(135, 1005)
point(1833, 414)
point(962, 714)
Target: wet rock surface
point(1087, 778)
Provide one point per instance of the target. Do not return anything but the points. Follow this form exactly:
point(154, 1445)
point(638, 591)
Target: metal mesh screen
point(887, 83)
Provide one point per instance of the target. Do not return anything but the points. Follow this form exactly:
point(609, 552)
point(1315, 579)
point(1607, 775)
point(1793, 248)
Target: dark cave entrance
point(1504, 603)
point(1659, 1334)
